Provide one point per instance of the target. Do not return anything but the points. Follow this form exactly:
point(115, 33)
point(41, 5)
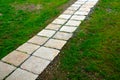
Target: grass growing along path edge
point(94, 51)
point(18, 24)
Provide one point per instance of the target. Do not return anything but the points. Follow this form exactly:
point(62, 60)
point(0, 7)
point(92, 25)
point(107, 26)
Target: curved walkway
point(30, 59)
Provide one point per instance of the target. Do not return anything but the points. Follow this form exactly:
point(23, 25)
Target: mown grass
point(18, 25)
point(94, 51)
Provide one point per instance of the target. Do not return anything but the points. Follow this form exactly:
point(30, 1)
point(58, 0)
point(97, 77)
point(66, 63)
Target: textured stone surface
point(38, 40)
point(73, 23)
point(64, 16)
point(79, 3)
point(53, 26)
point(68, 12)
point(75, 5)
point(53, 43)
point(88, 6)
point(5, 70)
point(68, 29)
point(84, 9)
point(20, 74)
point(59, 21)
point(35, 64)
point(15, 58)
point(46, 53)
point(46, 33)
point(73, 8)
point(77, 17)
point(81, 13)
point(92, 2)
point(28, 48)
point(63, 36)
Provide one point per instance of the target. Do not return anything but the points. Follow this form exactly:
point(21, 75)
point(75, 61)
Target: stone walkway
point(30, 59)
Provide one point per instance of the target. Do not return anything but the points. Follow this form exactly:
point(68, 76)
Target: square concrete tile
point(90, 3)
point(28, 48)
point(63, 36)
point(84, 9)
point(75, 5)
point(64, 16)
point(68, 12)
point(73, 23)
point(5, 70)
point(57, 44)
point(46, 33)
point(35, 64)
point(68, 29)
point(93, 1)
point(20, 74)
point(53, 26)
point(78, 17)
point(79, 2)
point(83, 13)
point(38, 40)
point(87, 6)
point(59, 21)
point(15, 58)
point(73, 8)
point(46, 53)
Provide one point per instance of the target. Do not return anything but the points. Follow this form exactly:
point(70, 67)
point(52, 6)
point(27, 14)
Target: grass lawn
point(94, 51)
point(22, 19)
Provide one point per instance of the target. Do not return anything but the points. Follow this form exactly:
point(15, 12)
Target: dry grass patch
point(27, 7)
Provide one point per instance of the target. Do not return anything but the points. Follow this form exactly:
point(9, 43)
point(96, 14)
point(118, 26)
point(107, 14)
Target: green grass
point(94, 51)
point(18, 25)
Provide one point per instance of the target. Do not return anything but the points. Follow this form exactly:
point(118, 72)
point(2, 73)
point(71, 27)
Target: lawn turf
point(22, 19)
point(93, 53)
